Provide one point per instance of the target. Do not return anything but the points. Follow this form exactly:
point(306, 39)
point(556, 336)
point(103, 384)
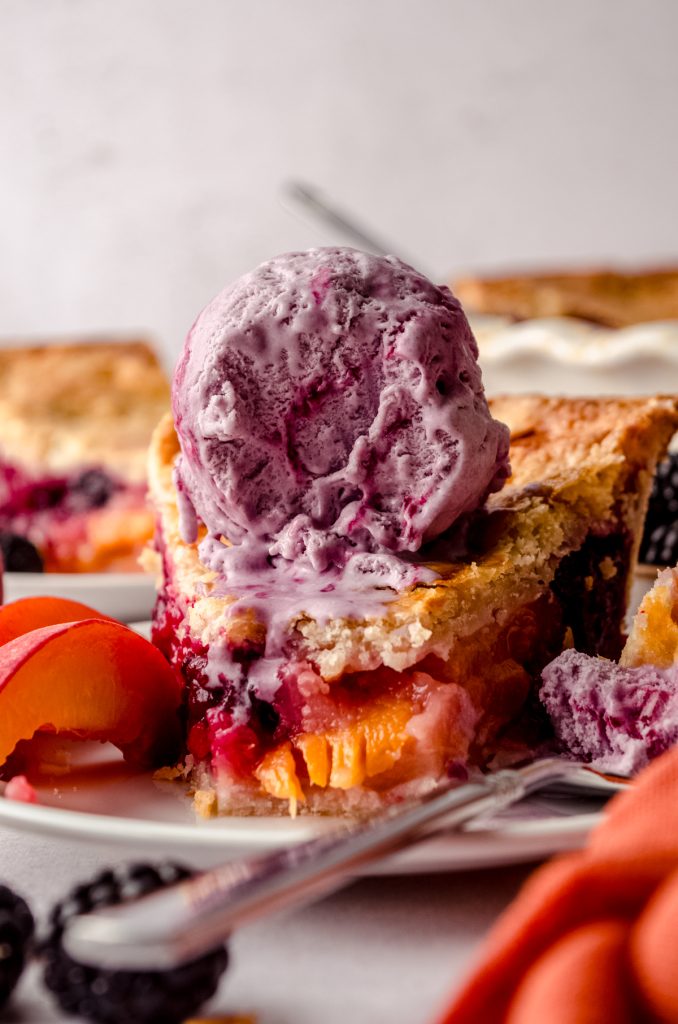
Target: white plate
point(120, 811)
point(123, 595)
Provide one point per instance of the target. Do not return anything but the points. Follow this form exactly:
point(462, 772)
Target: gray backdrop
point(143, 142)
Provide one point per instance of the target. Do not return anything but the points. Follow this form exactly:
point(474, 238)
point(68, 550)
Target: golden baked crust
point(72, 404)
point(613, 298)
point(569, 517)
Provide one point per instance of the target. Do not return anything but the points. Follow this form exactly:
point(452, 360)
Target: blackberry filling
point(22, 496)
point(95, 487)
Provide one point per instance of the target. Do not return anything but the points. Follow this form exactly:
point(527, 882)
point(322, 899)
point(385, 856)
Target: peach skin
point(19, 617)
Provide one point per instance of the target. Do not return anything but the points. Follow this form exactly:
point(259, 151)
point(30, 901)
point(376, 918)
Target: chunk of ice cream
point(330, 402)
point(616, 718)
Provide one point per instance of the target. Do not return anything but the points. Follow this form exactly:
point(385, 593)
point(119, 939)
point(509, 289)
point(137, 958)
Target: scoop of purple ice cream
point(331, 401)
point(618, 719)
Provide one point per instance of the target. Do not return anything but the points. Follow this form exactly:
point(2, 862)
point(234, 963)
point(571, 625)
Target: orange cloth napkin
point(593, 936)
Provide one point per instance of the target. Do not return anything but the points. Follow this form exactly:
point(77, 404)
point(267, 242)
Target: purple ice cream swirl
point(329, 407)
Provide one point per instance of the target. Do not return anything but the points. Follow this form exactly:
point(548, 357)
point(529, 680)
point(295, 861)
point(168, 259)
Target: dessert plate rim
point(163, 822)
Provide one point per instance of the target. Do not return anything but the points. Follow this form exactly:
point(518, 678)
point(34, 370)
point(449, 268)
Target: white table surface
point(384, 950)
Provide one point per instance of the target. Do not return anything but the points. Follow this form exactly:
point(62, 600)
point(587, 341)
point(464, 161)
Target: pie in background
point(75, 423)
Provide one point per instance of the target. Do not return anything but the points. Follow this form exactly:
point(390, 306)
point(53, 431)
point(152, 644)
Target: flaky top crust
point(614, 298)
point(72, 404)
point(565, 439)
point(577, 464)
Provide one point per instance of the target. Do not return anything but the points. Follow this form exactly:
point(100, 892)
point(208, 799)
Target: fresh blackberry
point(18, 554)
point(662, 545)
point(113, 996)
point(16, 932)
point(659, 546)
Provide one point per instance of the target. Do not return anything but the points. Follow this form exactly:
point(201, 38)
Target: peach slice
point(350, 754)
point(94, 679)
point(29, 613)
point(278, 776)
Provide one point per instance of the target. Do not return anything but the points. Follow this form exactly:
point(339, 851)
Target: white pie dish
point(567, 356)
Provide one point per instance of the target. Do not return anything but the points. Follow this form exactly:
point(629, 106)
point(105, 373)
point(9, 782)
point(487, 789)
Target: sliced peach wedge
point(87, 677)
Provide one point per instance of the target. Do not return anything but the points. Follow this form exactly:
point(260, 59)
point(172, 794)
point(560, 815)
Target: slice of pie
point(75, 423)
point(613, 298)
point(363, 711)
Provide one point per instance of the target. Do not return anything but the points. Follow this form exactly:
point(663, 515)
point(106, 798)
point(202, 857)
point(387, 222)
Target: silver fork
point(183, 921)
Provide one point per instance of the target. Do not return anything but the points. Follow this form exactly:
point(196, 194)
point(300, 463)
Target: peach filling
point(390, 738)
point(381, 729)
point(377, 729)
